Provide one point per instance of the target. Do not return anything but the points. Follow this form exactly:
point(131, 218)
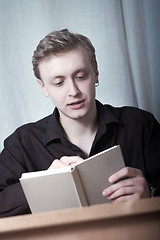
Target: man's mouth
point(75, 103)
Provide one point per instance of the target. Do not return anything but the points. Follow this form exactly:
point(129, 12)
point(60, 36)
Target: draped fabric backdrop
point(126, 36)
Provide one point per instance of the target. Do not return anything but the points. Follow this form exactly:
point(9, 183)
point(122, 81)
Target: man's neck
point(81, 132)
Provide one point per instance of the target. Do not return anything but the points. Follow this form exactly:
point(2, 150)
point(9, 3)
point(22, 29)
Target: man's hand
point(127, 184)
point(65, 162)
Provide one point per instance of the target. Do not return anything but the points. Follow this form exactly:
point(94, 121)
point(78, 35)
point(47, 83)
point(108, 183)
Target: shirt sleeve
point(152, 152)
point(12, 199)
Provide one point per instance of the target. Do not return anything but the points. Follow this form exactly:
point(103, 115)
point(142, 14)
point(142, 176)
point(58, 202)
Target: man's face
point(69, 79)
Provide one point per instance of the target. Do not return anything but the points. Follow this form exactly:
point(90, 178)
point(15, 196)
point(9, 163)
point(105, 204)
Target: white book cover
point(72, 187)
point(95, 171)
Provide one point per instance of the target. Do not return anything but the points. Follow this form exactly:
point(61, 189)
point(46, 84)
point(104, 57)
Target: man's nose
point(73, 88)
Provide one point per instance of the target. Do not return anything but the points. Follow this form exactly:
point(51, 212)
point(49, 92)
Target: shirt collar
point(54, 130)
point(105, 115)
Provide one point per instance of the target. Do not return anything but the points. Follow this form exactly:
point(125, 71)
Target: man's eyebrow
point(80, 70)
point(51, 78)
point(58, 76)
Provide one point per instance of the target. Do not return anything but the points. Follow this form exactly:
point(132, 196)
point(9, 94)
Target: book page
point(95, 171)
point(45, 172)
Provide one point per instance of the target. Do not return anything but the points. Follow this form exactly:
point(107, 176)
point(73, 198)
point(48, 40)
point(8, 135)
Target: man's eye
point(80, 77)
point(59, 83)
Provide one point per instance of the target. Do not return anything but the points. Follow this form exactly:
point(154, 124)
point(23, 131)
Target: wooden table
point(130, 220)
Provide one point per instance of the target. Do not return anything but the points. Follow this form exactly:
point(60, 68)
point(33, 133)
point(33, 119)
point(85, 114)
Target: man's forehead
point(77, 58)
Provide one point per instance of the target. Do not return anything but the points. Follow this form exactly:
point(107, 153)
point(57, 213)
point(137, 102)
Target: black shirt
point(34, 146)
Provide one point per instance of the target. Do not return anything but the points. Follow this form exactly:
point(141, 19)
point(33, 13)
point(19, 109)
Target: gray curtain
point(126, 36)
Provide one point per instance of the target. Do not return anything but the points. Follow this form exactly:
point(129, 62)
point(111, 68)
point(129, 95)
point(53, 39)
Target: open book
point(68, 187)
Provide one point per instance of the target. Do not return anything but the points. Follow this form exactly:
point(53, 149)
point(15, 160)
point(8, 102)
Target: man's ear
point(97, 76)
point(41, 83)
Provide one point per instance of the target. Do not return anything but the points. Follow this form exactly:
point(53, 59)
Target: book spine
point(79, 188)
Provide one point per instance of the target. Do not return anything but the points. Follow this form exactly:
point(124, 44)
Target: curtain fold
point(135, 29)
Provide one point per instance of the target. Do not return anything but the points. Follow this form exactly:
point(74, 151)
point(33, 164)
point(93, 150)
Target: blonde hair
point(61, 41)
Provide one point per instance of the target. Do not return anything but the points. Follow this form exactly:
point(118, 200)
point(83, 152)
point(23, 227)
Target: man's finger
point(125, 173)
point(71, 160)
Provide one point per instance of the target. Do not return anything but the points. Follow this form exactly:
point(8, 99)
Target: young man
point(66, 69)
